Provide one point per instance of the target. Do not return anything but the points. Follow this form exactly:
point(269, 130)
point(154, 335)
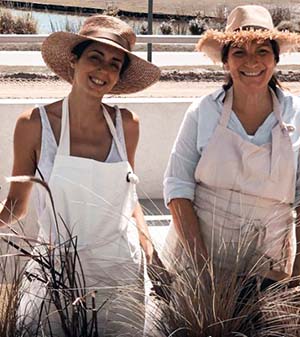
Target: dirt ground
point(179, 7)
point(57, 89)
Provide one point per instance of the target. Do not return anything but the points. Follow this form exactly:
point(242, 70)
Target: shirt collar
point(220, 95)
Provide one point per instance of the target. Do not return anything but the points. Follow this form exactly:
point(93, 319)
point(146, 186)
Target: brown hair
point(273, 83)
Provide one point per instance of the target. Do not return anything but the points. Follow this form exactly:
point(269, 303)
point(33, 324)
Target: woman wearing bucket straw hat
point(232, 180)
point(84, 149)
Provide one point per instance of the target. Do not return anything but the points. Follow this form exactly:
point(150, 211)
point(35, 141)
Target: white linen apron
point(243, 199)
point(96, 201)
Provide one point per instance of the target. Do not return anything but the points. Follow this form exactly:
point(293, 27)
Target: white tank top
point(49, 149)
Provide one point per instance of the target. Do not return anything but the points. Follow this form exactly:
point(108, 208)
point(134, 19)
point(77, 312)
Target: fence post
point(150, 30)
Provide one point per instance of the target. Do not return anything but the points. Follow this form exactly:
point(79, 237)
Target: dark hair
point(273, 83)
point(81, 47)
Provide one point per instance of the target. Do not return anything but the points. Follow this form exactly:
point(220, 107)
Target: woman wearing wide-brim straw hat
point(85, 149)
point(232, 181)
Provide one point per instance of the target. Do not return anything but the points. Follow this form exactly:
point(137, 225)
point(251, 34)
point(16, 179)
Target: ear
point(73, 60)
point(225, 66)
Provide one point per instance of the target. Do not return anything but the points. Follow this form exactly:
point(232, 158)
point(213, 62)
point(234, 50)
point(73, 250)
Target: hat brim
point(213, 41)
point(57, 54)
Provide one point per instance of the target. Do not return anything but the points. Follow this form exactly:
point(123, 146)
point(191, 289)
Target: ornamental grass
point(191, 300)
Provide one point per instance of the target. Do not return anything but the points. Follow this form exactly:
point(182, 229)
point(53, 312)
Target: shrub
point(288, 25)
point(144, 28)
point(197, 26)
point(206, 299)
point(166, 28)
point(217, 25)
point(280, 14)
point(180, 26)
point(10, 24)
point(25, 25)
point(221, 12)
point(111, 10)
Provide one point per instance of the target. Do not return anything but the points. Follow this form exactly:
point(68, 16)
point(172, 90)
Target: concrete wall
point(159, 119)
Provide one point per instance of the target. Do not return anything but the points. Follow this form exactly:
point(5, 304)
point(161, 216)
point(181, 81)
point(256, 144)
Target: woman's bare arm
point(26, 140)
point(131, 131)
point(187, 227)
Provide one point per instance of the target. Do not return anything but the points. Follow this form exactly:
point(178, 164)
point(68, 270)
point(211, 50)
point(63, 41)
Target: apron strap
point(277, 132)
point(114, 134)
point(64, 140)
point(227, 107)
point(277, 110)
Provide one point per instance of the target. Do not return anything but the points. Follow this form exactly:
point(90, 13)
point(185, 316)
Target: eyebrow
point(100, 52)
point(264, 44)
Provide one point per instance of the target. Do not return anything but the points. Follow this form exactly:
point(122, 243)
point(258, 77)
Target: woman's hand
point(160, 278)
point(144, 235)
point(187, 227)
point(148, 248)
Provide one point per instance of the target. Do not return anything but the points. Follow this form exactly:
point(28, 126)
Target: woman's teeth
point(251, 73)
point(96, 81)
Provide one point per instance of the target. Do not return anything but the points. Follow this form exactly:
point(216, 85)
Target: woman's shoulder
point(130, 119)
point(290, 104)
point(32, 117)
point(209, 105)
point(27, 133)
point(127, 115)
point(28, 120)
point(288, 99)
point(130, 122)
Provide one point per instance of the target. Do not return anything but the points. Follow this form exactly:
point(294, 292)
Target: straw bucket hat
point(57, 52)
point(245, 23)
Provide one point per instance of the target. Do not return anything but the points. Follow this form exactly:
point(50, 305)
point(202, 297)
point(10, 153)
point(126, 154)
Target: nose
point(251, 60)
point(103, 66)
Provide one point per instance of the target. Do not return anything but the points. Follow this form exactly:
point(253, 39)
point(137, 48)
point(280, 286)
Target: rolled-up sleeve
point(297, 190)
point(179, 181)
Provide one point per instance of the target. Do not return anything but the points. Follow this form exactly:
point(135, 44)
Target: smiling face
point(251, 66)
point(97, 70)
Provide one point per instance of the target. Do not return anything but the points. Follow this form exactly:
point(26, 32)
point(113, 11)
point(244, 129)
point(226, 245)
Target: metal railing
point(142, 39)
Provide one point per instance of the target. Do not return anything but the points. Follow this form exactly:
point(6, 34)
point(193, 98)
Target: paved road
point(161, 90)
point(162, 59)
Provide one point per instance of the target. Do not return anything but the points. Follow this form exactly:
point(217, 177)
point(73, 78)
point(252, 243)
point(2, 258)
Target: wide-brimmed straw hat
point(57, 52)
point(245, 23)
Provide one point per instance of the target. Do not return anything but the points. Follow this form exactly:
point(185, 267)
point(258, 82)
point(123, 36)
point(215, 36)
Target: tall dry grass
point(195, 300)
point(60, 303)
point(10, 24)
point(9, 291)
point(206, 302)
point(208, 299)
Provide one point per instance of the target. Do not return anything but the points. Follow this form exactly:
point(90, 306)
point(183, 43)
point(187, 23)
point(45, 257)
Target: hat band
point(115, 38)
point(248, 27)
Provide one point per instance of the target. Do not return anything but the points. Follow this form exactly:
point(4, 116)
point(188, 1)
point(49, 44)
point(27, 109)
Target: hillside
point(179, 7)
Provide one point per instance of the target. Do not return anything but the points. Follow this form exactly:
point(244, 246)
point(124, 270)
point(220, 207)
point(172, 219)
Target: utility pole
point(150, 30)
